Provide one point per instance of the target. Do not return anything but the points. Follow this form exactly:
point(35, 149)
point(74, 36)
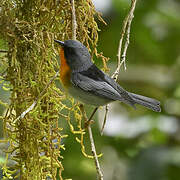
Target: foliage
point(29, 28)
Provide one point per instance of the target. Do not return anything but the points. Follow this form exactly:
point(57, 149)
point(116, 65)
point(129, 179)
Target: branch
point(105, 118)
point(125, 31)
point(93, 149)
point(122, 58)
point(74, 23)
point(3, 51)
point(87, 123)
point(30, 108)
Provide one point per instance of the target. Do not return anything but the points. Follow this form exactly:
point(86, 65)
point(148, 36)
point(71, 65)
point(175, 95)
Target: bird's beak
point(60, 42)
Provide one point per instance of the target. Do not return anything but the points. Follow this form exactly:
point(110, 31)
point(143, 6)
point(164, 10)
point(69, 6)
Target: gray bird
point(88, 84)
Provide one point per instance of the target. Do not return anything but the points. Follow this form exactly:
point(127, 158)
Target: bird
point(85, 82)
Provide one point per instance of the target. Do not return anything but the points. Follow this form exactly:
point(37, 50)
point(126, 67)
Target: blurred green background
point(136, 144)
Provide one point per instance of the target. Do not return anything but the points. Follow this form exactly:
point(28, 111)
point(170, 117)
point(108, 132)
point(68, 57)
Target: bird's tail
point(146, 101)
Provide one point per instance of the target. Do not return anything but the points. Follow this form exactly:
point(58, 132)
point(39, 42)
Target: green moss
point(29, 28)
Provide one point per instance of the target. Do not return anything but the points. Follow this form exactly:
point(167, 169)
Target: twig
point(122, 58)
point(131, 16)
point(105, 118)
point(93, 149)
point(90, 119)
point(30, 108)
point(3, 51)
point(125, 31)
point(87, 121)
point(47, 85)
point(74, 23)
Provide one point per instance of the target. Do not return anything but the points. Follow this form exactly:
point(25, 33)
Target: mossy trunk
point(30, 27)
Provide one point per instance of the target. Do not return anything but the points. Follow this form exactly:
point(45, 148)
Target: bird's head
point(76, 54)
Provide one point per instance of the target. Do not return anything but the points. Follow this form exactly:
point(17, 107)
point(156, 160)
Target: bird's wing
point(96, 87)
point(124, 94)
point(97, 82)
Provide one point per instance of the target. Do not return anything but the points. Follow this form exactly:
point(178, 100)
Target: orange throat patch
point(65, 71)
